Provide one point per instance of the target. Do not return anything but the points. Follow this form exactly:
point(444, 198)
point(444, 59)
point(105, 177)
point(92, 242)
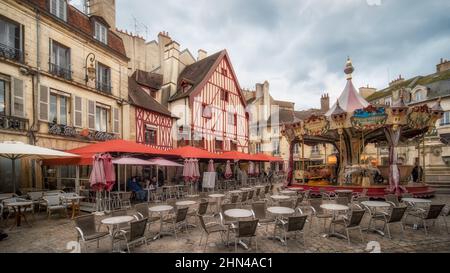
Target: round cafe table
point(161, 209)
point(373, 207)
point(246, 189)
point(239, 213)
point(114, 223)
point(416, 200)
point(17, 207)
point(235, 192)
point(288, 192)
point(278, 197)
point(279, 212)
point(185, 203)
point(334, 208)
point(219, 197)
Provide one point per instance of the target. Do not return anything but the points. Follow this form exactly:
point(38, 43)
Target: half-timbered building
point(153, 121)
point(210, 105)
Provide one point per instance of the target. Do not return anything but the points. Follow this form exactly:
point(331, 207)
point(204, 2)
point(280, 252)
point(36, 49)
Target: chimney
point(202, 54)
point(324, 102)
point(266, 99)
point(170, 70)
point(366, 91)
point(443, 65)
point(396, 81)
point(259, 90)
point(105, 9)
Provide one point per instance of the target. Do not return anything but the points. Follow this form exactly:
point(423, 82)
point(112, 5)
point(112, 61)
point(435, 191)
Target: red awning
point(264, 157)
point(112, 146)
point(193, 152)
point(235, 155)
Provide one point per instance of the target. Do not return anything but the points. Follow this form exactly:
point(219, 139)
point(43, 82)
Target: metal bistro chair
point(246, 229)
point(125, 199)
point(143, 212)
point(244, 197)
point(53, 202)
point(210, 228)
point(318, 212)
point(392, 199)
point(286, 203)
point(432, 213)
point(352, 221)
point(259, 209)
point(342, 200)
point(135, 234)
point(177, 219)
point(395, 215)
point(293, 224)
point(87, 231)
point(225, 220)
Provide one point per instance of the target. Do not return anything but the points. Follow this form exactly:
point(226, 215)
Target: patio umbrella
point(16, 150)
point(187, 170)
point(211, 166)
point(257, 169)
point(228, 172)
point(251, 168)
point(159, 161)
point(97, 179)
point(110, 174)
point(129, 161)
point(196, 170)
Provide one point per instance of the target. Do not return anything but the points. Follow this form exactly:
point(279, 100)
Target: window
point(101, 119)
point(206, 111)
point(12, 101)
point(258, 132)
point(59, 9)
point(150, 135)
point(223, 95)
point(185, 86)
point(388, 101)
point(219, 144)
point(445, 120)
point(232, 119)
point(101, 33)
point(58, 107)
point(2, 97)
point(276, 147)
point(419, 95)
point(10, 40)
point(224, 72)
point(315, 149)
point(103, 78)
point(60, 60)
point(257, 147)
point(296, 148)
point(233, 145)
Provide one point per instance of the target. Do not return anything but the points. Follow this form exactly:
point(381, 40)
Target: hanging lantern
point(332, 160)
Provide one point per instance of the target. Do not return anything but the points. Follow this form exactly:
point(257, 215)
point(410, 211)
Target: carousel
point(350, 125)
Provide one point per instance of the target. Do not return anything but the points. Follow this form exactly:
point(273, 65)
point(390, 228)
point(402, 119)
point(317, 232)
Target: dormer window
point(101, 33)
point(185, 87)
point(59, 9)
point(419, 95)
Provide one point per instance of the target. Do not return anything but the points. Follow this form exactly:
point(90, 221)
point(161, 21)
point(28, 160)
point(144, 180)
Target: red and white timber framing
point(220, 126)
point(162, 123)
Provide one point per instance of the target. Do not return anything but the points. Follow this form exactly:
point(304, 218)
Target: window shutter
point(78, 112)
point(17, 98)
point(116, 120)
point(62, 9)
point(43, 103)
point(53, 6)
point(91, 114)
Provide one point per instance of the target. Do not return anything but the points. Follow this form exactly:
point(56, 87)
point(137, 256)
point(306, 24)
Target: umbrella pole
point(14, 174)
point(118, 180)
point(125, 178)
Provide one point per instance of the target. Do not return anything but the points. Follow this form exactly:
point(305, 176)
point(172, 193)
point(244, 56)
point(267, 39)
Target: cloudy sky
point(300, 46)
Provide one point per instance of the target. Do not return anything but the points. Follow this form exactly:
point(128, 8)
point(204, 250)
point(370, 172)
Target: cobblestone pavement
point(52, 235)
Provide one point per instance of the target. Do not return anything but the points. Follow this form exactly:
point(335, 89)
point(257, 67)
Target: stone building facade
point(63, 80)
point(432, 152)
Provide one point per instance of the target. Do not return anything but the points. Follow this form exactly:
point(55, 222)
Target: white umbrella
point(16, 150)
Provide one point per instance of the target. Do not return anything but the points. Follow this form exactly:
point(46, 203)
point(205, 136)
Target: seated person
point(134, 185)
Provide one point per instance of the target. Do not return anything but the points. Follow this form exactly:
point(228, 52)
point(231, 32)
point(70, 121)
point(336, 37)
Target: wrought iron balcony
point(104, 87)
point(60, 71)
point(13, 123)
point(11, 53)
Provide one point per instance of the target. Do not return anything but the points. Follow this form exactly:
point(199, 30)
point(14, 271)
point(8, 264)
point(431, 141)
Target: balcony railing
point(13, 123)
point(60, 71)
point(11, 53)
point(104, 87)
point(69, 131)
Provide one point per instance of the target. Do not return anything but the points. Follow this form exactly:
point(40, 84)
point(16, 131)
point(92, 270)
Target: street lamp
point(90, 68)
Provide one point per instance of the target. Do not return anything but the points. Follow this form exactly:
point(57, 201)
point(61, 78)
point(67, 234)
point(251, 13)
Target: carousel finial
point(349, 68)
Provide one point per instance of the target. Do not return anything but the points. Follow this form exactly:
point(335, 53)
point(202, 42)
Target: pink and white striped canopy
point(349, 100)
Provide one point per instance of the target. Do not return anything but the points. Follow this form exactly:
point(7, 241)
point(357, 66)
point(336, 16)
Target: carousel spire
point(437, 106)
point(349, 68)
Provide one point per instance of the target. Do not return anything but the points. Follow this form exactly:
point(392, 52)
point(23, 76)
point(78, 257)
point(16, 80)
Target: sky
point(300, 46)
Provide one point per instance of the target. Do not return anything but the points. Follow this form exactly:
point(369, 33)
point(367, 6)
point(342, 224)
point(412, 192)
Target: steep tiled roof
point(140, 98)
point(195, 73)
point(148, 79)
point(82, 23)
point(284, 104)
